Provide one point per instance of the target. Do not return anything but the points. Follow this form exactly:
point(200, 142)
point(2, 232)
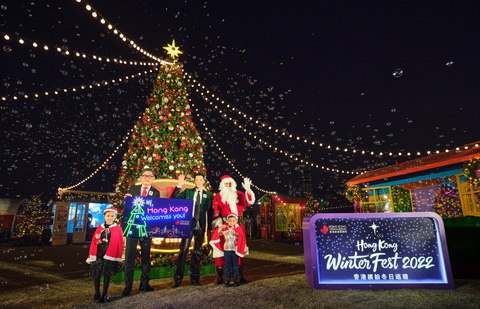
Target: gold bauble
point(177, 109)
point(170, 127)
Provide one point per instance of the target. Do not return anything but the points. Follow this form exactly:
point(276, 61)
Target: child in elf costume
point(105, 253)
point(229, 241)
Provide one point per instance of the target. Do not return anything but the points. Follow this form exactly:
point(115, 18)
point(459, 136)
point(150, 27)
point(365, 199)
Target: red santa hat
point(232, 215)
point(111, 209)
point(225, 178)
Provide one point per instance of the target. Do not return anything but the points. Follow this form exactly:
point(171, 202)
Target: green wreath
point(471, 170)
point(352, 193)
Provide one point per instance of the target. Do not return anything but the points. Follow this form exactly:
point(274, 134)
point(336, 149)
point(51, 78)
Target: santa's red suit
point(230, 201)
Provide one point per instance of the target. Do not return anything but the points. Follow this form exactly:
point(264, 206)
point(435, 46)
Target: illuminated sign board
point(157, 217)
point(376, 251)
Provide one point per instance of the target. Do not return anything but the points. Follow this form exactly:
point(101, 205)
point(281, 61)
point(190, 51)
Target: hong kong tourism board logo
point(333, 229)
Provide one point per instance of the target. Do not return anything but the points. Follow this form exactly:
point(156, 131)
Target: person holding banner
point(228, 201)
point(145, 189)
point(201, 205)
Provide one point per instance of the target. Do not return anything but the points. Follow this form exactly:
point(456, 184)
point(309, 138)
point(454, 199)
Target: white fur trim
point(214, 241)
point(238, 253)
point(217, 253)
point(229, 179)
point(106, 257)
point(103, 225)
point(91, 259)
point(233, 206)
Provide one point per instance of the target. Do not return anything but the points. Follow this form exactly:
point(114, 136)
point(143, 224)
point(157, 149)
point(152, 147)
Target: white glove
point(246, 184)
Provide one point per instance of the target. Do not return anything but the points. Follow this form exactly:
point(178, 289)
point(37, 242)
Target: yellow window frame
point(378, 202)
point(469, 198)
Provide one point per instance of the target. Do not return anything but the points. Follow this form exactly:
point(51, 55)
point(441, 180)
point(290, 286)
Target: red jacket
point(217, 242)
point(115, 246)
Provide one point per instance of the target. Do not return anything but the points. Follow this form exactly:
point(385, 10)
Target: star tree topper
point(173, 50)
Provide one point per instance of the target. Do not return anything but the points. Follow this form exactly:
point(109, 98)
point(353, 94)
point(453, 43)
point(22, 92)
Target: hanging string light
point(211, 99)
point(233, 166)
point(47, 47)
point(74, 89)
point(275, 149)
point(104, 22)
point(103, 164)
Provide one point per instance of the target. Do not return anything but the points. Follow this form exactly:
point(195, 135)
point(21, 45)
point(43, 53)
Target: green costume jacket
point(205, 205)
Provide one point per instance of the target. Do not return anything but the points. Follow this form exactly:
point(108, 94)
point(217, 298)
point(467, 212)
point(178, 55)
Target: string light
point(199, 87)
point(82, 87)
point(233, 166)
point(47, 47)
point(104, 22)
point(289, 156)
point(101, 166)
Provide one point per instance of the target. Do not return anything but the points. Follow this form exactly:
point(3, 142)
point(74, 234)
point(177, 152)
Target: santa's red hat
point(111, 209)
point(232, 215)
point(226, 177)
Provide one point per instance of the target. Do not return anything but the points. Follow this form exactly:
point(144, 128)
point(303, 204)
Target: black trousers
point(130, 254)
point(198, 233)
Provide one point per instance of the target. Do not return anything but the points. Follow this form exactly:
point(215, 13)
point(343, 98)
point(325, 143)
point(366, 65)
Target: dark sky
point(382, 76)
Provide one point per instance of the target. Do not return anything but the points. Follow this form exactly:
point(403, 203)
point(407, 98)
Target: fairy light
point(286, 153)
point(73, 89)
point(47, 47)
point(269, 127)
point(104, 21)
point(233, 166)
point(101, 166)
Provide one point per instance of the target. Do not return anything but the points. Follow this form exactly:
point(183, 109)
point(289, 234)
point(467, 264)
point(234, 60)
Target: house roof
point(464, 153)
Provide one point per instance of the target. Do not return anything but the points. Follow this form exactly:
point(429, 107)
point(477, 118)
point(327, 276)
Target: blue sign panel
point(372, 251)
point(157, 217)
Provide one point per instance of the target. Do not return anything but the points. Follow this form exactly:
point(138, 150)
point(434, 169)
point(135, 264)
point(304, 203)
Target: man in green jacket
point(202, 203)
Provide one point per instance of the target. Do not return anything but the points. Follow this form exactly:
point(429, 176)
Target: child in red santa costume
point(105, 253)
point(230, 242)
point(227, 201)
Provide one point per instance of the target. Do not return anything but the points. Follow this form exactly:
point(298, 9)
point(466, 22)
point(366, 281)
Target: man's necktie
point(144, 193)
point(197, 206)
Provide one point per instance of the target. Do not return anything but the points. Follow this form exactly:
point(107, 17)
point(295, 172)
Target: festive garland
point(352, 193)
point(471, 170)
point(267, 203)
point(402, 201)
point(85, 196)
point(292, 227)
point(311, 208)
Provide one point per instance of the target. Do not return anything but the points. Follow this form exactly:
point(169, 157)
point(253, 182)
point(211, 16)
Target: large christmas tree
point(165, 138)
point(28, 225)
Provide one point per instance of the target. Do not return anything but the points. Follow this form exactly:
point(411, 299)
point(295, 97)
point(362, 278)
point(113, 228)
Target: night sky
point(381, 76)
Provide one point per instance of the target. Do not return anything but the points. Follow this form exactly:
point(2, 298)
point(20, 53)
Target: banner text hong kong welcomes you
point(157, 217)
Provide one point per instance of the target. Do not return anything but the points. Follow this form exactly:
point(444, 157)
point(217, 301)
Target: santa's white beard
point(229, 196)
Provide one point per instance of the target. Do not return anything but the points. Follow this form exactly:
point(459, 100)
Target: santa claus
point(226, 202)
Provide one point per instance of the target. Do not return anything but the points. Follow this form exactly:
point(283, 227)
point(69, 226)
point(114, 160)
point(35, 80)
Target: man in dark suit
point(202, 203)
point(145, 189)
